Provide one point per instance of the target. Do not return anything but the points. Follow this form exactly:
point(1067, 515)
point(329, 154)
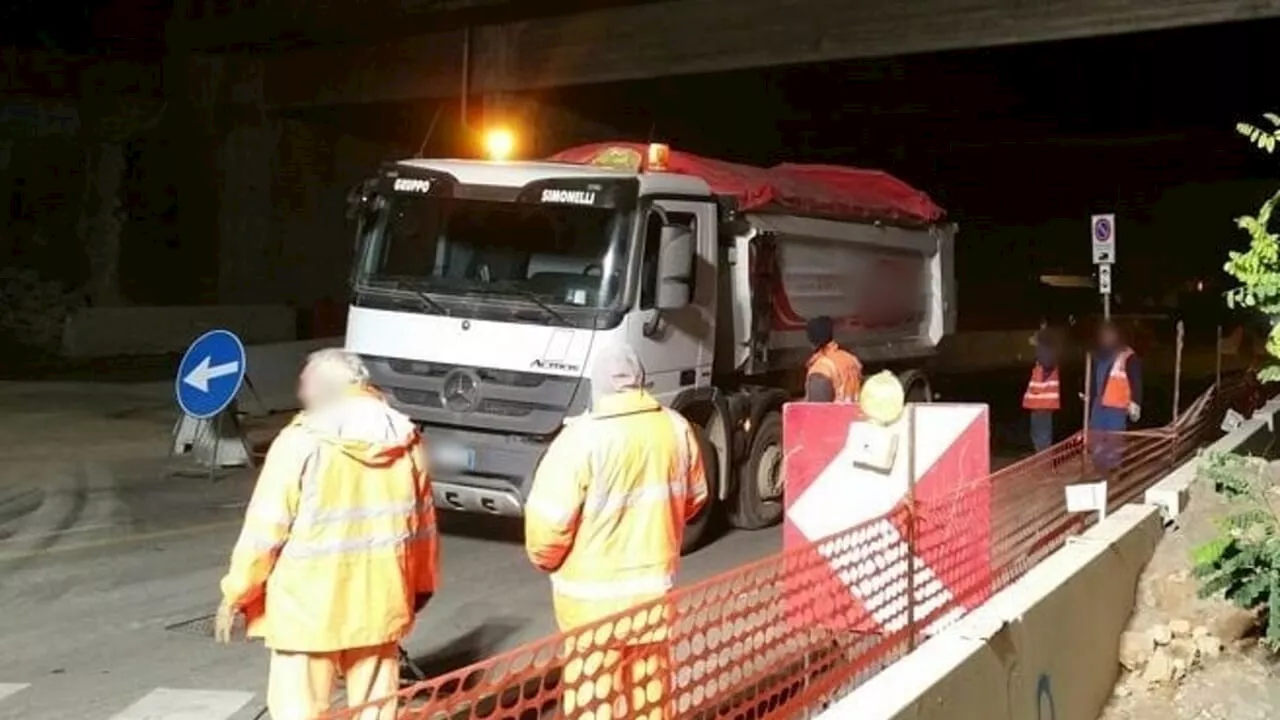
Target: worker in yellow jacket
point(338, 552)
point(606, 517)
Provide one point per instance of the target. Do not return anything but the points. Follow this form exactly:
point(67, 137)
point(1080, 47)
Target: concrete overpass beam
point(698, 36)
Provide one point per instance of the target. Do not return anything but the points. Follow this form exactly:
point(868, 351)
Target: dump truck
point(481, 290)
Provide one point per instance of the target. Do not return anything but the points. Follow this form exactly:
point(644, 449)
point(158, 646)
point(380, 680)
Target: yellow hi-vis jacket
point(340, 536)
point(609, 504)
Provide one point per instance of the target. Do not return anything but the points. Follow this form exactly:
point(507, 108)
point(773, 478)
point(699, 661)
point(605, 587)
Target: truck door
point(677, 347)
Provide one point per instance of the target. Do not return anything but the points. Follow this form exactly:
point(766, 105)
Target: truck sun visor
point(417, 182)
point(585, 192)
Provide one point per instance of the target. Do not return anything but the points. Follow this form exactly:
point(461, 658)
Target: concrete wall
point(1044, 648)
point(111, 331)
point(1254, 437)
point(695, 36)
point(280, 195)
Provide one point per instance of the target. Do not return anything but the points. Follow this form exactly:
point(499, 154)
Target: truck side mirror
point(675, 268)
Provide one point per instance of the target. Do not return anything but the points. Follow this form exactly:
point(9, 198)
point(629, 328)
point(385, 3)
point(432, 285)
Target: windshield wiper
point(428, 302)
point(533, 298)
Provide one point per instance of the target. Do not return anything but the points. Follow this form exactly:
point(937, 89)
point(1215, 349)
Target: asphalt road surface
point(109, 565)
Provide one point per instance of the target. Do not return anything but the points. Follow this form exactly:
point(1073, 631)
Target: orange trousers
point(301, 685)
point(625, 681)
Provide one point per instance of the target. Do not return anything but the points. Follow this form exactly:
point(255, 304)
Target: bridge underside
point(699, 36)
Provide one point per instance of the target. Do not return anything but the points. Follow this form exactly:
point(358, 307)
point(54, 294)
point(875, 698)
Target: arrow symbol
point(199, 377)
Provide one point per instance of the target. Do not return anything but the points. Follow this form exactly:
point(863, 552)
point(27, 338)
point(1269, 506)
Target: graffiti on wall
point(1044, 699)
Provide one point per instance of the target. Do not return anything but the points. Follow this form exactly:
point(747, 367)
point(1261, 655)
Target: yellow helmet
point(882, 398)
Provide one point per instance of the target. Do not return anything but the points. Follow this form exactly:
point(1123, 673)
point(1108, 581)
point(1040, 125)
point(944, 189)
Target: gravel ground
point(1240, 684)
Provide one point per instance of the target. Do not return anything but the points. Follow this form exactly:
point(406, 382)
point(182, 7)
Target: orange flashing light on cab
point(659, 157)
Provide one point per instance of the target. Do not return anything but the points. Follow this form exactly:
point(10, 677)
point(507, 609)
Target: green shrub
point(1242, 563)
point(1258, 268)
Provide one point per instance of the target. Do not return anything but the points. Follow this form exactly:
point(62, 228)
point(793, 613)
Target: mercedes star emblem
point(460, 391)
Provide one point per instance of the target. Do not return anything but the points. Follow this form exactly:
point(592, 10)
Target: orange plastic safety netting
point(784, 635)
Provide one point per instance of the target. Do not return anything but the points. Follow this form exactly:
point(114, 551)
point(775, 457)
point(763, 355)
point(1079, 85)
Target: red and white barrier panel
point(855, 516)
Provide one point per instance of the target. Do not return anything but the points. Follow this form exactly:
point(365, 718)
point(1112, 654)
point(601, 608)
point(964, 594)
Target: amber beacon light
point(659, 157)
point(499, 143)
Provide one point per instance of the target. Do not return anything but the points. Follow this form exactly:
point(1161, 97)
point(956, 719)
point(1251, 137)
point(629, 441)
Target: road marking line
point(107, 542)
point(7, 689)
point(170, 704)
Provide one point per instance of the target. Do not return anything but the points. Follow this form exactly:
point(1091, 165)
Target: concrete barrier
point(111, 331)
point(1046, 647)
point(271, 374)
point(1253, 437)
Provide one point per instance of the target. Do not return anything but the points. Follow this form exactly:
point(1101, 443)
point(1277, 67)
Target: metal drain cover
point(203, 626)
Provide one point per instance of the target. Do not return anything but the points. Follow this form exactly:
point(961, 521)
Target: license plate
point(452, 457)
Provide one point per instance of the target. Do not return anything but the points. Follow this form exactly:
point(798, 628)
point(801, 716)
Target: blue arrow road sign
point(210, 374)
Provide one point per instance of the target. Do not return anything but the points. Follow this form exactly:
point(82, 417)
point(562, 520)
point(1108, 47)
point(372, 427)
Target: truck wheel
point(697, 531)
point(916, 386)
point(758, 503)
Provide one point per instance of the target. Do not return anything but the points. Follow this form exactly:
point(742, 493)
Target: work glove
point(224, 622)
point(1135, 412)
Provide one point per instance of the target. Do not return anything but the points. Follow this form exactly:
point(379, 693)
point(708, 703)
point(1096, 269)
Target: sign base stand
point(210, 444)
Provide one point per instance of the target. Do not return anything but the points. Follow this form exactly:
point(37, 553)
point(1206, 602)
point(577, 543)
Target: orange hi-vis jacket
point(1044, 391)
point(1117, 393)
point(839, 366)
point(340, 537)
point(609, 504)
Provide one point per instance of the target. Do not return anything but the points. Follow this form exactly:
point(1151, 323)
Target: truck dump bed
point(860, 246)
point(889, 290)
point(818, 191)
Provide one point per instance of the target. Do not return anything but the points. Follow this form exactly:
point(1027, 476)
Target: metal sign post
point(1102, 235)
point(1104, 287)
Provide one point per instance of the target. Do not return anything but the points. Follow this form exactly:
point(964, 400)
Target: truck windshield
point(557, 257)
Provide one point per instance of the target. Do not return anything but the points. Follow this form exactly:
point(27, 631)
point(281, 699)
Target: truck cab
point(480, 289)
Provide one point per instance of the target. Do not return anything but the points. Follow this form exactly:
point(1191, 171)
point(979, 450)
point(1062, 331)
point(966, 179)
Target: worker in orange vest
point(605, 517)
point(338, 552)
point(834, 374)
point(1043, 396)
point(1116, 397)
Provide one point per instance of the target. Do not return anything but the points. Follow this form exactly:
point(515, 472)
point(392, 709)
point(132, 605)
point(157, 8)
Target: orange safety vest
point(839, 366)
point(1043, 391)
point(1117, 393)
point(340, 535)
point(609, 504)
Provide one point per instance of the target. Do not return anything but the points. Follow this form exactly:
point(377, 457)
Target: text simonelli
point(572, 197)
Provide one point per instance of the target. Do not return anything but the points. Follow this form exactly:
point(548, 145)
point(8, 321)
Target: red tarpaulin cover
point(828, 191)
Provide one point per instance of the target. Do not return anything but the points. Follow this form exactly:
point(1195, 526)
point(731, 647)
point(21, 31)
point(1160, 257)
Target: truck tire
point(916, 386)
point(758, 502)
point(698, 530)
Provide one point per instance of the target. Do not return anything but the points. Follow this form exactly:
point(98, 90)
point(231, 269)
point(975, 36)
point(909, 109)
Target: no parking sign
point(1103, 235)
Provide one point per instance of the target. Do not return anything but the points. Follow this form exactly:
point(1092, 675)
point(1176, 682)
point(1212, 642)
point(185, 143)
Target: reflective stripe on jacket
point(340, 536)
point(839, 366)
point(1043, 392)
point(609, 504)
point(1117, 393)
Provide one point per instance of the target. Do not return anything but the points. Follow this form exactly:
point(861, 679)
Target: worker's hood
point(363, 426)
